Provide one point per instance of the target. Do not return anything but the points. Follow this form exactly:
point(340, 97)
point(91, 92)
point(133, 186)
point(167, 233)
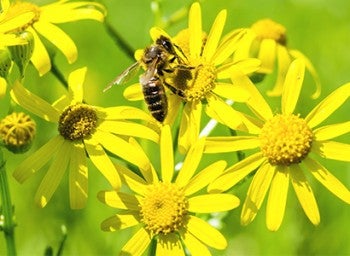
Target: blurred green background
point(318, 28)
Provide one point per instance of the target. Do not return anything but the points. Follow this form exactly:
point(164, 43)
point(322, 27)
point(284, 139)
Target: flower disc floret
point(202, 82)
point(77, 122)
point(286, 139)
point(268, 29)
point(164, 208)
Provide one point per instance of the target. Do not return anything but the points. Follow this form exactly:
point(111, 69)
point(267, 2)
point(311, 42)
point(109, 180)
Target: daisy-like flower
point(163, 208)
point(83, 130)
point(43, 23)
point(267, 41)
point(201, 74)
point(287, 145)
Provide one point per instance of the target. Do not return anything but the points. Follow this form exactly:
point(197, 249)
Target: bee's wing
point(149, 73)
point(125, 76)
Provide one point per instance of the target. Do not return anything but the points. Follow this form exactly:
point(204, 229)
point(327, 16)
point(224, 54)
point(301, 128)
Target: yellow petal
point(276, 202)
point(75, 81)
point(194, 246)
point(123, 112)
point(190, 163)
point(137, 244)
point(257, 192)
point(245, 66)
point(38, 159)
point(304, 193)
point(332, 150)
point(292, 86)
point(235, 173)
point(62, 12)
point(54, 175)
point(157, 32)
point(119, 200)
point(132, 180)
point(212, 203)
point(122, 149)
point(150, 175)
point(214, 35)
point(327, 179)
point(204, 177)
point(129, 129)
point(206, 233)
point(256, 101)
point(331, 131)
point(166, 154)
point(190, 125)
point(231, 91)
point(195, 27)
point(102, 162)
point(297, 54)
point(12, 22)
point(284, 61)
point(119, 221)
point(33, 103)
point(230, 143)
point(169, 244)
point(40, 58)
point(78, 177)
point(61, 103)
point(228, 47)
point(59, 38)
point(223, 113)
point(133, 92)
point(3, 86)
point(267, 55)
point(175, 102)
point(326, 107)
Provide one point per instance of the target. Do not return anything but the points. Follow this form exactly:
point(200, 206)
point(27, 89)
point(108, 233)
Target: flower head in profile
point(287, 145)
point(163, 208)
point(267, 41)
point(201, 74)
point(83, 130)
point(43, 24)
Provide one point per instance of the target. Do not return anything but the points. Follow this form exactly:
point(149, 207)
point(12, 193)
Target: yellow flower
point(43, 23)
point(82, 129)
point(164, 208)
point(286, 146)
point(267, 40)
point(203, 75)
point(10, 22)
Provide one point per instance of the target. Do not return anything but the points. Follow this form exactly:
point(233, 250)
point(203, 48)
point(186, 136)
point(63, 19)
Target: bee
point(157, 59)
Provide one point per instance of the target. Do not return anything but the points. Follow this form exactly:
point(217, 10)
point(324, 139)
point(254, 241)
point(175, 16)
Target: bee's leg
point(175, 90)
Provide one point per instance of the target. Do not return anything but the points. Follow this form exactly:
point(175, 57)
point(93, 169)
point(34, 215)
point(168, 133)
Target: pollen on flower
point(286, 139)
point(268, 29)
point(18, 7)
point(77, 122)
point(17, 132)
point(164, 208)
point(196, 81)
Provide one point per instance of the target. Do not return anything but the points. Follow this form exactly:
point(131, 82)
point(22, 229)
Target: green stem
point(113, 33)
point(8, 225)
point(58, 74)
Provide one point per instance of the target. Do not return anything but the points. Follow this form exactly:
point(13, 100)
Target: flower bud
point(5, 62)
point(17, 132)
point(21, 54)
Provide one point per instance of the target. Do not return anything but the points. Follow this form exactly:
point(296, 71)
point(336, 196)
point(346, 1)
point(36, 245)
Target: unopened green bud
point(17, 132)
point(5, 62)
point(21, 54)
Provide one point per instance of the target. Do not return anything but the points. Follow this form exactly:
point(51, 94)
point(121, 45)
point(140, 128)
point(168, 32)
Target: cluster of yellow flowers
point(200, 69)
